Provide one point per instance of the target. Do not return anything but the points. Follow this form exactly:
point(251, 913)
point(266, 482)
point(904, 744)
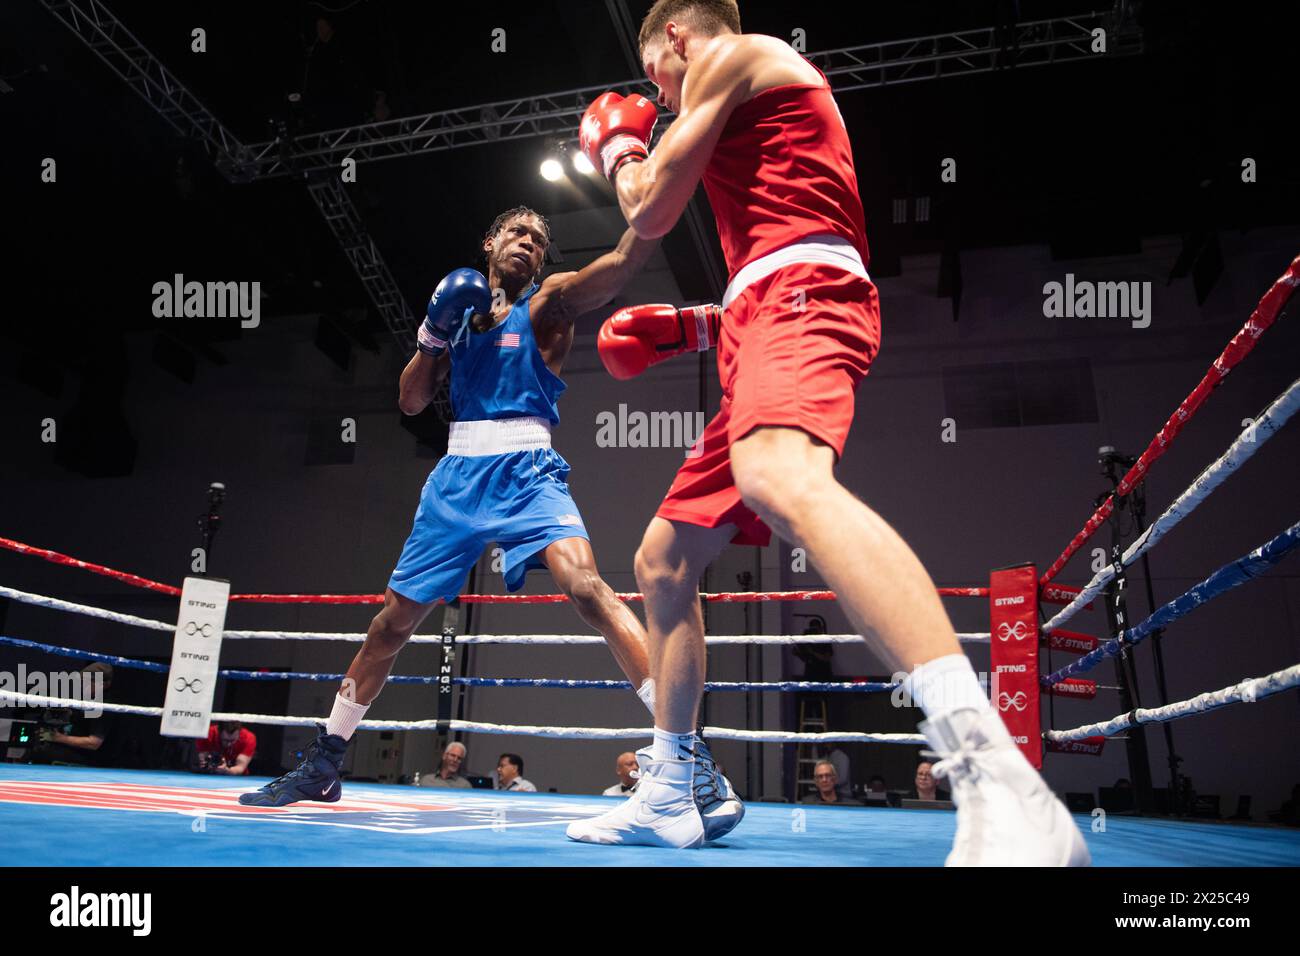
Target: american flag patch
point(508, 340)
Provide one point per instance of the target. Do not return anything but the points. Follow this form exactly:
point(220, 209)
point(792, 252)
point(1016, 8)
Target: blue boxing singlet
point(500, 373)
point(516, 497)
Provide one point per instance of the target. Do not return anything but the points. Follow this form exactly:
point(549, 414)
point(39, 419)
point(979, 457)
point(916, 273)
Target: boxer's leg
point(317, 777)
point(388, 633)
point(664, 811)
point(1006, 814)
point(669, 564)
point(785, 475)
point(573, 565)
point(442, 546)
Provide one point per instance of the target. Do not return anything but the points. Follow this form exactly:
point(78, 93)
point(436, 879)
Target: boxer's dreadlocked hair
point(509, 214)
point(711, 15)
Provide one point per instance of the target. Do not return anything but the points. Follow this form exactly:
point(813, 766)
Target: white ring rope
point(1263, 428)
point(469, 726)
point(1249, 691)
point(57, 604)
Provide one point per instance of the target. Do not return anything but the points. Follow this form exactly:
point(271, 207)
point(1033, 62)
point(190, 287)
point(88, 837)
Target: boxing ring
point(75, 816)
point(140, 818)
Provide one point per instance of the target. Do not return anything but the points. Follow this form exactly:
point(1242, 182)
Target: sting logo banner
point(1013, 616)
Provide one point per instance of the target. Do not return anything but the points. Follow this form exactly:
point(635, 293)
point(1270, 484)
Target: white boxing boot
point(660, 812)
point(1006, 813)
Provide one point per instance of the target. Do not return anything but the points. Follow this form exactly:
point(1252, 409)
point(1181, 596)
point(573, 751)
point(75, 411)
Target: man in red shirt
point(228, 748)
point(797, 331)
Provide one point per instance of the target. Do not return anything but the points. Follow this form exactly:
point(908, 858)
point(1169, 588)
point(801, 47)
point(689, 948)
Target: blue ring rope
point(1225, 579)
point(127, 662)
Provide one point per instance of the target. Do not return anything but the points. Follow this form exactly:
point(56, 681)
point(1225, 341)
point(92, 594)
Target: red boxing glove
point(616, 131)
point(633, 339)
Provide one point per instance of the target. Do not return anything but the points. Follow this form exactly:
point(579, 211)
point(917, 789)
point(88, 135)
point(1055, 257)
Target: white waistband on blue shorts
point(498, 436)
point(825, 248)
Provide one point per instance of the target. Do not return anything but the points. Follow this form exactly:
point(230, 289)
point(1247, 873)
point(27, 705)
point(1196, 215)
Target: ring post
point(1013, 656)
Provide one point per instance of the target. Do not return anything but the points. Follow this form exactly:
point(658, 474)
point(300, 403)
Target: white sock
point(946, 684)
point(671, 746)
point(344, 717)
point(647, 694)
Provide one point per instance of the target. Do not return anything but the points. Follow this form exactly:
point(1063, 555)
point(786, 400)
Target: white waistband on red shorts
point(824, 248)
point(498, 436)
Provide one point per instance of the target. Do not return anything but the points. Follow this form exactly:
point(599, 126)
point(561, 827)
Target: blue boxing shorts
point(519, 499)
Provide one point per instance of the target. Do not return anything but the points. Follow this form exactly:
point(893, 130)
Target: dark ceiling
point(1087, 157)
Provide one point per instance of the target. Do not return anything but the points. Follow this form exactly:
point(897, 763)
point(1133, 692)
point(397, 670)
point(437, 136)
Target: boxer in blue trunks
point(503, 339)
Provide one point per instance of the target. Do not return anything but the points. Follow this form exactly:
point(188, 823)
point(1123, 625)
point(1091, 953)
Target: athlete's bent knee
point(387, 634)
point(585, 589)
point(656, 573)
point(768, 488)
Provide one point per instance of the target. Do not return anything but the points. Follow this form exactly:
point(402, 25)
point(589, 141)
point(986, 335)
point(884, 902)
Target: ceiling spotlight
point(582, 164)
point(552, 170)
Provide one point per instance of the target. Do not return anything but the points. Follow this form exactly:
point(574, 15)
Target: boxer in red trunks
point(797, 332)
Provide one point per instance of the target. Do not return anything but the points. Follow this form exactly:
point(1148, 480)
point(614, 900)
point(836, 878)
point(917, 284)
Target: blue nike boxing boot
point(719, 807)
point(316, 778)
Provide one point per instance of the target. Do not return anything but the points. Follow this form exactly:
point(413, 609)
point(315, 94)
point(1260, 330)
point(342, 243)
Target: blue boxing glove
point(460, 290)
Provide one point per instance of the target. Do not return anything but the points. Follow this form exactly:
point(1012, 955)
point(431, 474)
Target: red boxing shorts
point(794, 346)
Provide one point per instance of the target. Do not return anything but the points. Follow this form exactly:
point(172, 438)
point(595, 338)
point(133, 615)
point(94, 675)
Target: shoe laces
point(704, 782)
point(960, 766)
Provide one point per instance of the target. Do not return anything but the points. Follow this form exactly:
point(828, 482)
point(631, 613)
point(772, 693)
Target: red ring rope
point(1266, 312)
point(725, 597)
point(57, 558)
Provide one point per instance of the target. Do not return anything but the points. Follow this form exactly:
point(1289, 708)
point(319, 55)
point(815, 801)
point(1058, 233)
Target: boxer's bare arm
point(566, 295)
point(653, 193)
point(420, 381)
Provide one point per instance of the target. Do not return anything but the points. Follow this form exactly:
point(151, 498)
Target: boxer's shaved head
point(705, 16)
